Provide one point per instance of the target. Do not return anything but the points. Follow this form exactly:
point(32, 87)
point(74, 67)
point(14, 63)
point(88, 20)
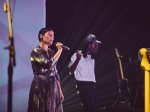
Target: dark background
point(122, 24)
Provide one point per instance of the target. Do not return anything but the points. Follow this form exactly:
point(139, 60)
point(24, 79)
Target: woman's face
point(48, 38)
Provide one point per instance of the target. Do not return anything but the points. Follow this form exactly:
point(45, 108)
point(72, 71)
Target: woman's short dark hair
point(43, 31)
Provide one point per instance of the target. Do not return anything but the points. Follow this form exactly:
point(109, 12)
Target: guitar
point(124, 91)
point(145, 62)
point(120, 65)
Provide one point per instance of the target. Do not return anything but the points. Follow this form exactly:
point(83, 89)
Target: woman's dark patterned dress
point(44, 92)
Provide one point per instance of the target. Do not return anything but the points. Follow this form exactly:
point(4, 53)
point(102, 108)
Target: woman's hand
point(59, 45)
point(61, 96)
point(59, 51)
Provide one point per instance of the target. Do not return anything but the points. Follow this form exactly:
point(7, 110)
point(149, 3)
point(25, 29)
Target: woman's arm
point(59, 51)
point(61, 94)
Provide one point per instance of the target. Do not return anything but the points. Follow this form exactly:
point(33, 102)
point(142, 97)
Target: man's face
point(93, 48)
point(48, 38)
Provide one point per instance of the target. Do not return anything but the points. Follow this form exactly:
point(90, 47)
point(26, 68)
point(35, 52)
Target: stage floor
point(119, 109)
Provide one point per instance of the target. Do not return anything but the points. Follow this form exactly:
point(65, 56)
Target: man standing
point(82, 65)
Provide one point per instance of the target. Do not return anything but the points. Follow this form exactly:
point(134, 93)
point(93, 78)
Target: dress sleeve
point(53, 64)
point(57, 75)
point(37, 57)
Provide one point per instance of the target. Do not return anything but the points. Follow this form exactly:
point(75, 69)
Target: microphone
point(64, 47)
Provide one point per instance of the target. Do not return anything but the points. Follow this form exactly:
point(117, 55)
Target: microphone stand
point(12, 61)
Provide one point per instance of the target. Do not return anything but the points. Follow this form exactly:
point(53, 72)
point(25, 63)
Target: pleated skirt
point(44, 95)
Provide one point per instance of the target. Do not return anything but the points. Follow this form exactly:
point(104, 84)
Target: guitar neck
point(121, 70)
point(120, 65)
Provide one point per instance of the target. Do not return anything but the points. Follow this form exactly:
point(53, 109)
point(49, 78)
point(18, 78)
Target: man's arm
point(74, 65)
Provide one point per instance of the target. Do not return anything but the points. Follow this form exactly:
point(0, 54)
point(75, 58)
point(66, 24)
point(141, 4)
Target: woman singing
point(45, 91)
